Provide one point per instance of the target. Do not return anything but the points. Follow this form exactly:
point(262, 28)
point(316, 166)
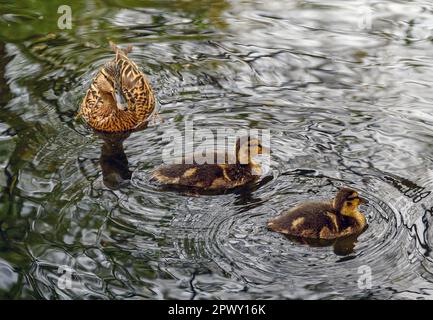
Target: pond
point(344, 88)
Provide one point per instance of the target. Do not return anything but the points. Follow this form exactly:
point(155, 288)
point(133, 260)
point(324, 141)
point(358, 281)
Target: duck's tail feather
point(118, 50)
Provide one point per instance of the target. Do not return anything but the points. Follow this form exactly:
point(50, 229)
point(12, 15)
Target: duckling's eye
point(349, 203)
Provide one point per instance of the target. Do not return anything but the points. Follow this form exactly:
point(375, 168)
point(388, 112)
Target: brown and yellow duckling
point(120, 97)
point(215, 176)
point(323, 220)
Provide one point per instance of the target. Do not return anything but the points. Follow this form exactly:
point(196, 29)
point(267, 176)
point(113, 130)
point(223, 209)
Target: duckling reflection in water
point(319, 222)
point(342, 246)
point(214, 178)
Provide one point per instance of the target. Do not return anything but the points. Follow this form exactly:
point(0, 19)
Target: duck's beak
point(362, 200)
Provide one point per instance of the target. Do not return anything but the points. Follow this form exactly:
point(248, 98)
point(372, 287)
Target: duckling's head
point(246, 148)
point(347, 201)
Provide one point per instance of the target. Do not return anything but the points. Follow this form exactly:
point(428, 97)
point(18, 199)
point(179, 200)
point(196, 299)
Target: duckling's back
point(309, 220)
point(204, 176)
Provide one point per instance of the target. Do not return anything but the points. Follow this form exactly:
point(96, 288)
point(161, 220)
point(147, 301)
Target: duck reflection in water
point(113, 160)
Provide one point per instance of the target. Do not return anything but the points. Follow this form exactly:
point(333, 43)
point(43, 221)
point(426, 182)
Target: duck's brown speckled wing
point(96, 108)
point(310, 220)
point(92, 102)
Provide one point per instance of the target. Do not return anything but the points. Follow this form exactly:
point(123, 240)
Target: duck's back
point(309, 220)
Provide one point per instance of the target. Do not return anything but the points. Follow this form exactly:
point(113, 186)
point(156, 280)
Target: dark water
point(348, 102)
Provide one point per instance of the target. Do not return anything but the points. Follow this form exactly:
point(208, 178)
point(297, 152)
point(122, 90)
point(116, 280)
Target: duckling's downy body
point(119, 98)
point(323, 220)
point(213, 176)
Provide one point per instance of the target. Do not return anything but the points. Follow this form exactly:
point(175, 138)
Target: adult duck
point(120, 97)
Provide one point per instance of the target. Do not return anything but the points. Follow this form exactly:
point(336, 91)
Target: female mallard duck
point(120, 97)
point(323, 220)
point(215, 176)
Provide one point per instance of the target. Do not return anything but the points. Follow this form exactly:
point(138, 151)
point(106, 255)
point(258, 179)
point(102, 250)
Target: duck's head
point(347, 201)
point(246, 148)
point(105, 86)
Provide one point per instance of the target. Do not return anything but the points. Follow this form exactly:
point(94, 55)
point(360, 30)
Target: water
point(344, 87)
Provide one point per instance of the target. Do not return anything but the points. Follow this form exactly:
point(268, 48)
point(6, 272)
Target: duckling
point(118, 81)
point(323, 220)
point(215, 176)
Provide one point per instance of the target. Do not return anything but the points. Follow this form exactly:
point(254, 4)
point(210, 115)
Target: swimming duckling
point(215, 176)
point(323, 220)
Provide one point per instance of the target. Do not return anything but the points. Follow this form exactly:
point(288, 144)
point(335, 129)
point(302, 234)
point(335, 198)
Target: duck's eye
point(349, 203)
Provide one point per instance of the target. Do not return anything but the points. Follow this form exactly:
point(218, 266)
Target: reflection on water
point(342, 246)
point(113, 160)
point(344, 88)
point(114, 163)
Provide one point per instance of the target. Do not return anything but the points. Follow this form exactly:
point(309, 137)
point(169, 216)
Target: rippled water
point(344, 87)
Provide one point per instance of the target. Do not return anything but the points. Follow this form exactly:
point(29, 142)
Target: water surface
point(344, 87)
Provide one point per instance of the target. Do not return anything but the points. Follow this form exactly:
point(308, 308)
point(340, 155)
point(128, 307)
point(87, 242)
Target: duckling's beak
point(362, 200)
point(265, 150)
